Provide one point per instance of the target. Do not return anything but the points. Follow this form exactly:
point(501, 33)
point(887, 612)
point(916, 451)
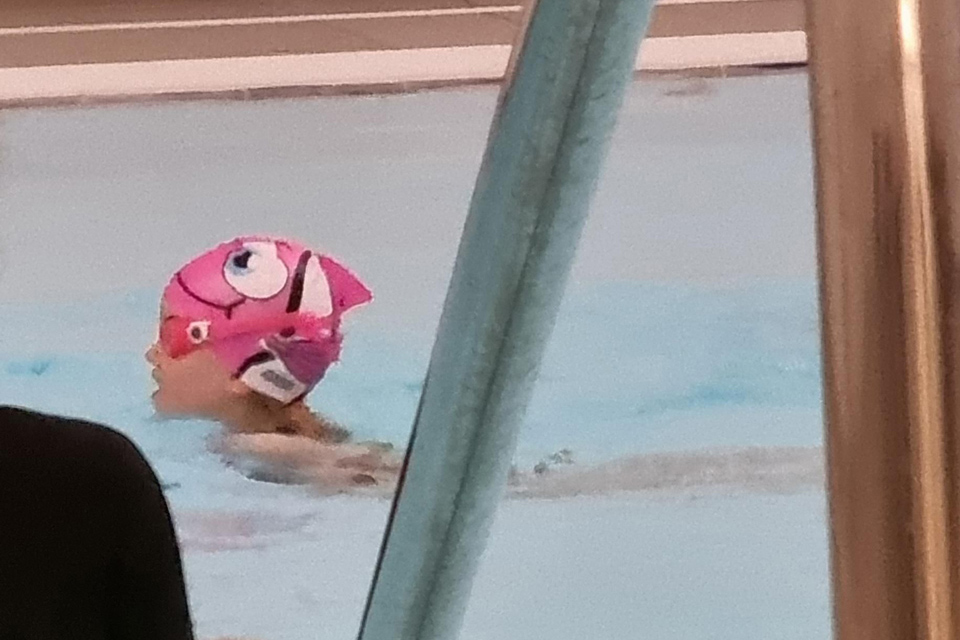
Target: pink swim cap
point(268, 308)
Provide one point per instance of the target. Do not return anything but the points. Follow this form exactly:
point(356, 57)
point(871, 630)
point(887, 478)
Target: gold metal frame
point(886, 91)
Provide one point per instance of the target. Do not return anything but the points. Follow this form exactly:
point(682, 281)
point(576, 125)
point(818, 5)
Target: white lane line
point(230, 74)
point(360, 68)
point(676, 53)
point(262, 20)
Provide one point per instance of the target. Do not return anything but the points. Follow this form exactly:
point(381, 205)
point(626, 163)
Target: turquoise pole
point(548, 140)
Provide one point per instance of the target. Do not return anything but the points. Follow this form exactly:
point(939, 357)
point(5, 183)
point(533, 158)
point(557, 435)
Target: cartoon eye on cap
point(198, 332)
point(256, 271)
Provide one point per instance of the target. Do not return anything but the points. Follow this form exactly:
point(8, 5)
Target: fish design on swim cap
point(269, 309)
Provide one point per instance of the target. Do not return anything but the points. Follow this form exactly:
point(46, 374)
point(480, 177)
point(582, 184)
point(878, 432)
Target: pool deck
point(61, 51)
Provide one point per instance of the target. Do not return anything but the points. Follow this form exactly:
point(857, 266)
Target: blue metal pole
point(548, 140)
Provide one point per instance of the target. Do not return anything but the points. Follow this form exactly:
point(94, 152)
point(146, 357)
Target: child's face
point(193, 385)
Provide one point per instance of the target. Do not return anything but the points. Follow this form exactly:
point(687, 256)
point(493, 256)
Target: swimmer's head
point(255, 314)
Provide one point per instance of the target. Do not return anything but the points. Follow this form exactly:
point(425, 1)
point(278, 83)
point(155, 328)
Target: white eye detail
point(198, 331)
point(316, 290)
point(256, 271)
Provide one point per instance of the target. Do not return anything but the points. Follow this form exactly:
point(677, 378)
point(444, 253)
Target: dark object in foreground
point(87, 546)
